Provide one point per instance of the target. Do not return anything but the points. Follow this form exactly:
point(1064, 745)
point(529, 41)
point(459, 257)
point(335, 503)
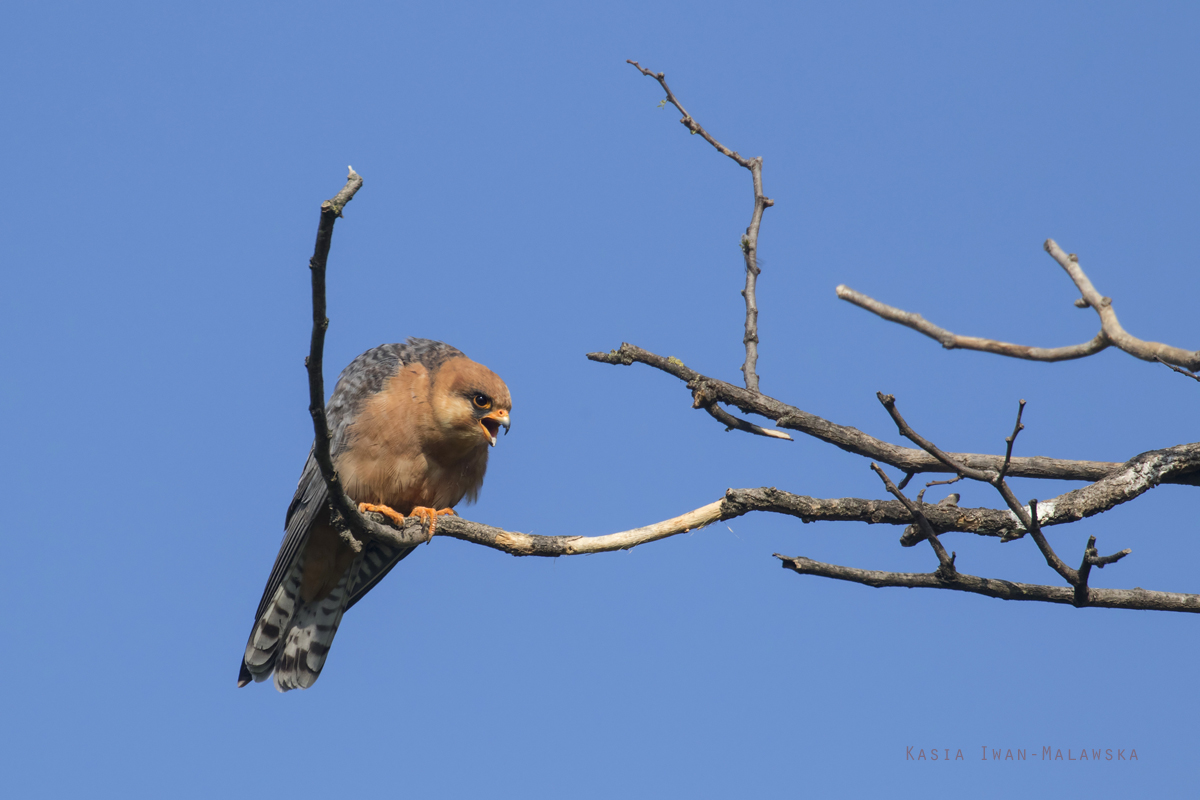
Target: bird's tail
point(292, 638)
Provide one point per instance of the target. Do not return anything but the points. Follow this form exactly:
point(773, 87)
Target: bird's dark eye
point(482, 401)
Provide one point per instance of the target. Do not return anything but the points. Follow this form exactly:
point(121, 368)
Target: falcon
point(411, 426)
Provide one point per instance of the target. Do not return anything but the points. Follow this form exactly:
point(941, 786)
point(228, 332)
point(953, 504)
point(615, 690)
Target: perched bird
point(411, 427)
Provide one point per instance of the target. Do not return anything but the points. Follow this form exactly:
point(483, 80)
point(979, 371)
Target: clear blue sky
point(527, 202)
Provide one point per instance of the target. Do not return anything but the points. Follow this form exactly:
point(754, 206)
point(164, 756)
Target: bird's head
point(470, 403)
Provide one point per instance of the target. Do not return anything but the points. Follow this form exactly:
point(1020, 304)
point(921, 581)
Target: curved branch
point(735, 423)
point(342, 504)
point(953, 341)
point(700, 400)
point(1147, 351)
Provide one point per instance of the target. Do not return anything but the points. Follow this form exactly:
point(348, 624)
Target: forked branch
point(855, 441)
point(1110, 483)
point(1111, 332)
point(749, 241)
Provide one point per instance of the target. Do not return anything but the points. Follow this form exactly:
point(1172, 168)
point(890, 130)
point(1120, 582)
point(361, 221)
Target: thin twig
point(953, 341)
point(1011, 439)
point(1136, 599)
point(955, 479)
point(749, 242)
point(948, 460)
point(735, 423)
point(1100, 562)
point(702, 400)
point(1056, 563)
point(1191, 375)
point(945, 561)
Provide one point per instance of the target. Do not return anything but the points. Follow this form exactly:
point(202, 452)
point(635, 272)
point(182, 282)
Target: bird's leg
point(429, 517)
point(389, 512)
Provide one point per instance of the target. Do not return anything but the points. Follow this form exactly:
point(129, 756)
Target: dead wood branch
point(1147, 351)
point(855, 441)
point(749, 242)
point(1174, 368)
point(945, 562)
point(344, 507)
point(1111, 332)
point(1135, 599)
point(953, 341)
point(1078, 579)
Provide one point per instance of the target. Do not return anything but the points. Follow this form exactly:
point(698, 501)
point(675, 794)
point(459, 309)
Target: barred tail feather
point(268, 631)
point(291, 637)
point(307, 640)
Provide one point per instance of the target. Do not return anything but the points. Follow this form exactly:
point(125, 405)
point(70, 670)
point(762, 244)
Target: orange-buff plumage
point(411, 427)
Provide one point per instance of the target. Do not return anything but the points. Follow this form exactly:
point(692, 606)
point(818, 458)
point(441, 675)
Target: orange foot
point(389, 512)
point(429, 517)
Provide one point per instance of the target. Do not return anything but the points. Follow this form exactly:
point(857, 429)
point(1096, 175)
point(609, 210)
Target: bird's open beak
point(491, 425)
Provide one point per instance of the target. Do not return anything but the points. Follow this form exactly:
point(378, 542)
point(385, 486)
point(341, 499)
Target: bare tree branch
point(1178, 464)
point(1111, 332)
point(980, 521)
point(953, 341)
point(341, 502)
point(701, 400)
point(1136, 599)
point(1111, 483)
point(1031, 520)
point(1138, 475)
point(1011, 439)
point(946, 562)
point(735, 503)
point(734, 423)
point(524, 544)
point(1147, 351)
point(1174, 368)
point(1092, 558)
point(1028, 518)
point(853, 440)
point(742, 501)
point(749, 241)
